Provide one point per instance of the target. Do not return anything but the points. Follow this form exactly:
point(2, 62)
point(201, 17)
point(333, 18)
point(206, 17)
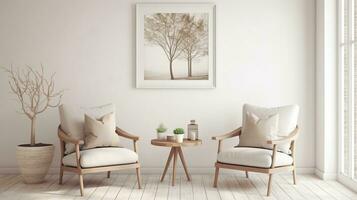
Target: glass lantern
point(192, 130)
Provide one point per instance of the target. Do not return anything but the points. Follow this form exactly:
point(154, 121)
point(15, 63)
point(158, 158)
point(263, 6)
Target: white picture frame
point(152, 71)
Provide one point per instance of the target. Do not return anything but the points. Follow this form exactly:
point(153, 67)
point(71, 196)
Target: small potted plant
point(179, 133)
point(161, 132)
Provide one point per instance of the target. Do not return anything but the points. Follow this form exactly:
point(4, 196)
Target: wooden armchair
point(274, 167)
point(73, 162)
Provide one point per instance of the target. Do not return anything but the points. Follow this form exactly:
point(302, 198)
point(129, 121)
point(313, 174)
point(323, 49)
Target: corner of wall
point(325, 176)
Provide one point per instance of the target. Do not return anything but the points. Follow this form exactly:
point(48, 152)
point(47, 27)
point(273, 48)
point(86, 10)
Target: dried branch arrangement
point(34, 92)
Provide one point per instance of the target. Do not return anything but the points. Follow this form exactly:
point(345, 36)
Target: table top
point(167, 143)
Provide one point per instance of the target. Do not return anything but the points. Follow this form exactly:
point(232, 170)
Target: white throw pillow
point(288, 118)
point(100, 132)
point(256, 131)
point(72, 120)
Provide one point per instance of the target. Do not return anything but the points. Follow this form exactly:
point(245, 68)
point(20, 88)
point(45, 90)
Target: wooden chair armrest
point(231, 134)
point(68, 139)
point(125, 134)
point(291, 137)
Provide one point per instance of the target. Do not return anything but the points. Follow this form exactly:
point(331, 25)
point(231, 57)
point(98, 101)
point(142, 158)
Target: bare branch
point(34, 92)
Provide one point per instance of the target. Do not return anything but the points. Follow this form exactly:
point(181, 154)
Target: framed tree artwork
point(175, 45)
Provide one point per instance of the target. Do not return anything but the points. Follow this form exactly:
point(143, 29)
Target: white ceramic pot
point(179, 138)
point(161, 136)
point(34, 161)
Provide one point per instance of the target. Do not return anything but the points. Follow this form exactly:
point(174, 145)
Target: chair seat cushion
point(99, 157)
point(254, 157)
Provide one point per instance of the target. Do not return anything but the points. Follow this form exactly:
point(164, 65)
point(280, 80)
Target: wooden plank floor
point(120, 186)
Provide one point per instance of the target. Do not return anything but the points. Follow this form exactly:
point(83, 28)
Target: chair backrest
point(288, 118)
point(72, 120)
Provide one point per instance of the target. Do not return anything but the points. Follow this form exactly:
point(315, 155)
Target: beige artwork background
point(176, 46)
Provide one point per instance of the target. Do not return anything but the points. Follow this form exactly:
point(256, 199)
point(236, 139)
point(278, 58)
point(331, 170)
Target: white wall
point(265, 56)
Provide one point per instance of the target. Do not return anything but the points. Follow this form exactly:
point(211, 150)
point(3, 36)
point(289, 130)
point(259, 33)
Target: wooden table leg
point(174, 167)
point(184, 163)
point(167, 163)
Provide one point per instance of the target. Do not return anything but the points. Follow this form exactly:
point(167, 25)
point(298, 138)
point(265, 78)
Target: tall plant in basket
point(35, 94)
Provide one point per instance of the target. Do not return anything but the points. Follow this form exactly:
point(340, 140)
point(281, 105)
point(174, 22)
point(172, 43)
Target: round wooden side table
point(175, 149)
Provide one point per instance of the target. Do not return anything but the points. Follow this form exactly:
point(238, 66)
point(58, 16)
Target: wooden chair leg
point(61, 176)
point(216, 177)
point(294, 176)
point(269, 184)
point(246, 174)
point(138, 177)
point(108, 174)
point(81, 183)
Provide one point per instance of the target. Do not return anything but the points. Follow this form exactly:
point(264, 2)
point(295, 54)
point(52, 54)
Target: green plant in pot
point(161, 132)
point(179, 134)
point(35, 94)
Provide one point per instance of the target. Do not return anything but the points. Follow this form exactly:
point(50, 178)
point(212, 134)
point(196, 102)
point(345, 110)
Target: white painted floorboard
point(124, 187)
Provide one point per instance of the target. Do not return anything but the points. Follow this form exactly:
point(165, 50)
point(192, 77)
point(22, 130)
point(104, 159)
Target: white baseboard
point(210, 170)
point(158, 170)
point(325, 175)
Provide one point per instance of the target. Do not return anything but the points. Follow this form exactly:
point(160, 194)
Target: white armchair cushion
point(254, 157)
point(99, 157)
point(72, 120)
point(288, 118)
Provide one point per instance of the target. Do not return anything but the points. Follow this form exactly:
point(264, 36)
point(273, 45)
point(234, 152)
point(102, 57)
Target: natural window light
point(348, 88)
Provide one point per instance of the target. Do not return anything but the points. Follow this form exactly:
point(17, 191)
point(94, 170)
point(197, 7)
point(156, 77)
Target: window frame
point(349, 179)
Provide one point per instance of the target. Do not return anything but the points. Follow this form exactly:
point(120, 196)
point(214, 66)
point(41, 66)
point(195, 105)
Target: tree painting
point(166, 31)
point(195, 42)
point(174, 42)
